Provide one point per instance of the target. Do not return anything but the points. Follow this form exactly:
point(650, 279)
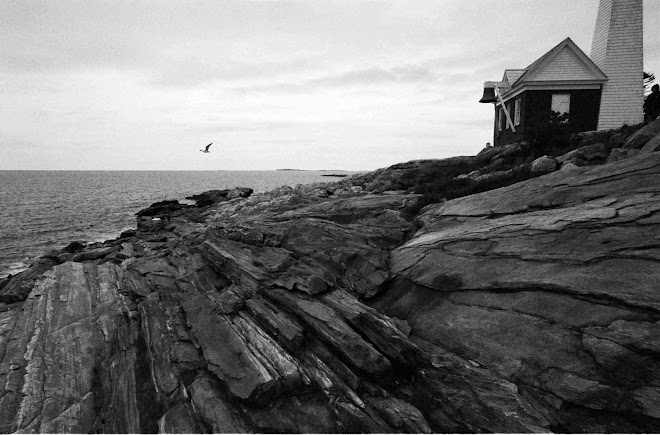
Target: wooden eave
point(558, 85)
point(526, 80)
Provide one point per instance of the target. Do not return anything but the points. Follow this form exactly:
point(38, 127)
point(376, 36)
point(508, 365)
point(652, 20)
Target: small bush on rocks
point(433, 192)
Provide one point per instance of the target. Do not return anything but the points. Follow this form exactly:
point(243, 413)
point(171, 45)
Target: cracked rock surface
point(554, 285)
point(531, 308)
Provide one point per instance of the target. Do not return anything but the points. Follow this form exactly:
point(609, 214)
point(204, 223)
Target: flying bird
point(206, 150)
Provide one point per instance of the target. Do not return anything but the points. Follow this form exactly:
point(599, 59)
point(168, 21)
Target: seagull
point(206, 150)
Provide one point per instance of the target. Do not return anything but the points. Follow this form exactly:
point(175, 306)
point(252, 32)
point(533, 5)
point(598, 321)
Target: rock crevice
point(350, 308)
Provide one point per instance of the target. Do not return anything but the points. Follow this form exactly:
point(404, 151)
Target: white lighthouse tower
point(618, 50)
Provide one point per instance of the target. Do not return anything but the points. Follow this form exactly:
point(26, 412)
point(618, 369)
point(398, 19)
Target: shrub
point(433, 192)
point(550, 135)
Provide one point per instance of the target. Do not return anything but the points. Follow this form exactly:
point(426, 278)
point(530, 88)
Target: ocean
point(45, 210)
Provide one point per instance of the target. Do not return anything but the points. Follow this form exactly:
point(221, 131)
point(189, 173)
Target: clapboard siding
point(601, 33)
point(617, 49)
point(564, 66)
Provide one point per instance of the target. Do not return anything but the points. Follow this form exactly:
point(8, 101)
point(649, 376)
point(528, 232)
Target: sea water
point(45, 210)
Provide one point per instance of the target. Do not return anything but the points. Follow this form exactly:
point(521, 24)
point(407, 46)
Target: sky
point(315, 84)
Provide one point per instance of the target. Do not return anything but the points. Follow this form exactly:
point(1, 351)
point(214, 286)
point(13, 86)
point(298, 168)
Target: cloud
point(401, 74)
point(247, 126)
point(196, 71)
point(356, 78)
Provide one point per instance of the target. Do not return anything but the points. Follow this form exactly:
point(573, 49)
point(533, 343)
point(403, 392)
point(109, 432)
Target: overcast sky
point(273, 84)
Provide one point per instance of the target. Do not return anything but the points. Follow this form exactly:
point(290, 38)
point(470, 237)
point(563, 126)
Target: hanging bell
point(489, 95)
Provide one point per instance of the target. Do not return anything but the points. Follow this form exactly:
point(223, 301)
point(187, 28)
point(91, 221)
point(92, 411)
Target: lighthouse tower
point(618, 50)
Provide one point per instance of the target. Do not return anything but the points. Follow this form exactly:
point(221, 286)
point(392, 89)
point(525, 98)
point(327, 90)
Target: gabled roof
point(511, 76)
point(564, 52)
point(564, 63)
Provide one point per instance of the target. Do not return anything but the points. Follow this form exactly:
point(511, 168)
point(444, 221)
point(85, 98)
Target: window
point(516, 112)
point(561, 103)
point(500, 119)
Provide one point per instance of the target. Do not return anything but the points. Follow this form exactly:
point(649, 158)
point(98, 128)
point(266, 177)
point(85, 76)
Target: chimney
point(618, 50)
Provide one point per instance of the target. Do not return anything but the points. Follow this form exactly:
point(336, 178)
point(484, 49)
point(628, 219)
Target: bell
point(489, 96)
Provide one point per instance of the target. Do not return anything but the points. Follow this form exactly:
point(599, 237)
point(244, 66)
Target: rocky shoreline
point(417, 298)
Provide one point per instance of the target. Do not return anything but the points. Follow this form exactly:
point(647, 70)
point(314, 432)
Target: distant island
point(319, 170)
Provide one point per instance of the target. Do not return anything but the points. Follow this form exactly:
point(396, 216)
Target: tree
point(548, 133)
point(649, 78)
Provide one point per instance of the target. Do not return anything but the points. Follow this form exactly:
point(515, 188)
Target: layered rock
point(70, 359)
point(250, 324)
point(345, 308)
point(552, 284)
